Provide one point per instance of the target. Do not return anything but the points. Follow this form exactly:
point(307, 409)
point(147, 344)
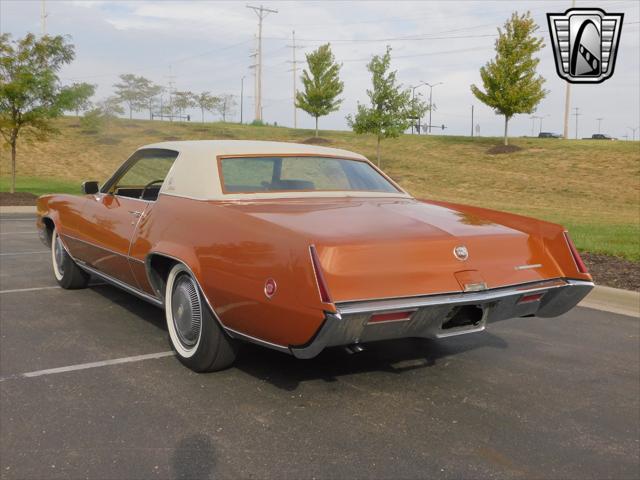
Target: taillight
point(582, 268)
point(317, 269)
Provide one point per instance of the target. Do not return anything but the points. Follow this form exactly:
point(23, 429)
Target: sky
point(206, 46)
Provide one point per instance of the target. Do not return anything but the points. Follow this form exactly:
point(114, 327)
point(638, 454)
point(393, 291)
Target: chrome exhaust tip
point(354, 348)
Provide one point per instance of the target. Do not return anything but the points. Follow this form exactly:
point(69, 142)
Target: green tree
point(510, 80)
point(110, 107)
point(131, 91)
point(392, 109)
point(226, 105)
point(321, 83)
point(82, 100)
point(95, 119)
point(148, 92)
point(206, 102)
point(183, 101)
point(30, 92)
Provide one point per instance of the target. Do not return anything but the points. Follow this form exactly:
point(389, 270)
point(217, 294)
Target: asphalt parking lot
point(531, 398)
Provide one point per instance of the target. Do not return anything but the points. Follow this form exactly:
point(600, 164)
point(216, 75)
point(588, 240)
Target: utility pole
point(241, 99)
point(633, 131)
point(431, 99)
point(170, 80)
point(254, 67)
point(294, 62)
point(471, 121)
point(43, 17)
point(261, 12)
point(599, 122)
point(576, 114)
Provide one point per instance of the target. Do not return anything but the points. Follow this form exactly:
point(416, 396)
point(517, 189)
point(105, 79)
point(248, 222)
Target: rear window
point(300, 174)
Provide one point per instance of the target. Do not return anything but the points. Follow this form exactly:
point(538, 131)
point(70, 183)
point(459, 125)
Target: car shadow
point(134, 305)
point(392, 356)
point(287, 372)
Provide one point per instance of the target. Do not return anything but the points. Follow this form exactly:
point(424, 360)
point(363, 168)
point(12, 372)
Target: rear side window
point(300, 173)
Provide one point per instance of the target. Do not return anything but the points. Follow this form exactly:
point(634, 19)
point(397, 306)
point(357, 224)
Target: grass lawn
point(40, 185)
point(592, 187)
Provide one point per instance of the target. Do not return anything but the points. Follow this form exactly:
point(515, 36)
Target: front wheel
point(67, 273)
point(194, 333)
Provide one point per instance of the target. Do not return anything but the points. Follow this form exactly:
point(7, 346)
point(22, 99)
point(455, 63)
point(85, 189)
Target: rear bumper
point(351, 324)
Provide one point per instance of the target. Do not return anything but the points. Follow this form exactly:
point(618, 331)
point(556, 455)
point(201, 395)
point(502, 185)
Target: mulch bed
point(498, 149)
point(17, 199)
point(613, 271)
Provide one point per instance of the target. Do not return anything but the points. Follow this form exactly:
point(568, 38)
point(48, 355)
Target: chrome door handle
point(136, 213)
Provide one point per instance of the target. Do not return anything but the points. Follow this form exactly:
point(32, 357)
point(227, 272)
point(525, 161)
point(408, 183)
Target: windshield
point(300, 174)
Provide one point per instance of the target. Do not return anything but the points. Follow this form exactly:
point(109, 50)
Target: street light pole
point(599, 123)
point(431, 99)
point(413, 92)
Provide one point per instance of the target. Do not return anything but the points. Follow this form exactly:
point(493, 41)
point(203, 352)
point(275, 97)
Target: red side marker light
point(317, 270)
point(391, 317)
point(533, 297)
point(582, 268)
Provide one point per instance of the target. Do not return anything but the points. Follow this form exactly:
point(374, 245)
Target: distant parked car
point(601, 136)
point(549, 135)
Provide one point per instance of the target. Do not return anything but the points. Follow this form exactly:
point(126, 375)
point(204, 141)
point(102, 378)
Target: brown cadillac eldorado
point(299, 248)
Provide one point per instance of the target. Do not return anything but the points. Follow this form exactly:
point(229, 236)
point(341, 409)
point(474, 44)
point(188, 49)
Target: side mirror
point(90, 188)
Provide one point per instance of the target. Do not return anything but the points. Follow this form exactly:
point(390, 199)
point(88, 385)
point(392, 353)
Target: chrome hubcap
point(59, 255)
point(186, 311)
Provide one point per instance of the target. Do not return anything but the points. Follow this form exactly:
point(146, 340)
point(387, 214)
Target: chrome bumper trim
point(351, 322)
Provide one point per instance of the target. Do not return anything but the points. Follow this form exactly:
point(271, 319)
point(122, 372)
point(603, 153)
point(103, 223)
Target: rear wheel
point(67, 273)
point(194, 333)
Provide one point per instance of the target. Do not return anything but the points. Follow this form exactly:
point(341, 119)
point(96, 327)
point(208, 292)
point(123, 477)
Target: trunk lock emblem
point(461, 253)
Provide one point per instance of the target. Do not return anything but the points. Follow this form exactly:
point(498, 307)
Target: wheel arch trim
point(230, 331)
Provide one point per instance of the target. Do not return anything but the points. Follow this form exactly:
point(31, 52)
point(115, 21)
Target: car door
point(112, 216)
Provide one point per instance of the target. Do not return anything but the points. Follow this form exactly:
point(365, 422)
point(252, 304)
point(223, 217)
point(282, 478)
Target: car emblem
point(585, 43)
point(270, 287)
point(461, 252)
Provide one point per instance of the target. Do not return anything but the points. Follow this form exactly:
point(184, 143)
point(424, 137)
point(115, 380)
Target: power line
point(261, 12)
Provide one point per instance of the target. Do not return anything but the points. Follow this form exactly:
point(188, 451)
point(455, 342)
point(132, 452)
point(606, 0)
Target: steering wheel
point(152, 182)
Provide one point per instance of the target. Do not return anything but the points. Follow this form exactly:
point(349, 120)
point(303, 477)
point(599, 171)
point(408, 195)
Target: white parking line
point(34, 289)
point(23, 253)
point(84, 366)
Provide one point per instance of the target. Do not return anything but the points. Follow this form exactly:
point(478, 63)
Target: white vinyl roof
point(195, 172)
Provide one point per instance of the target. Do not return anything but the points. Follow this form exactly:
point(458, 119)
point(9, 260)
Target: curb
point(614, 300)
point(607, 299)
point(20, 209)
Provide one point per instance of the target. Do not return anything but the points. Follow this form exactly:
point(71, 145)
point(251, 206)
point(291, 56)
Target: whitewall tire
point(67, 273)
point(195, 335)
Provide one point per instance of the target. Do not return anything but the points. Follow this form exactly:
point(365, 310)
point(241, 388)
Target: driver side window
point(144, 174)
